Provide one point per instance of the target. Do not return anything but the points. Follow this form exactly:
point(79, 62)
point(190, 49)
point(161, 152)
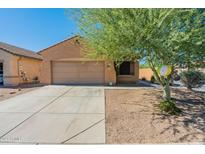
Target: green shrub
point(192, 79)
point(152, 80)
point(169, 107)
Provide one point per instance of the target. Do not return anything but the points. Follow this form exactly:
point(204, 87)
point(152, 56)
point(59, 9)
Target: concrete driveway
point(54, 115)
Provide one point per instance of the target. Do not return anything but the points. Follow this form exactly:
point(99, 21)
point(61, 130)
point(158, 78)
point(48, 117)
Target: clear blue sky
point(35, 29)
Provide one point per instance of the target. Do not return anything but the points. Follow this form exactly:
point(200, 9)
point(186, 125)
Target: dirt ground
point(132, 117)
point(8, 92)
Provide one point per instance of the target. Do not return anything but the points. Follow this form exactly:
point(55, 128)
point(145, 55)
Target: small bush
point(176, 77)
point(169, 107)
point(192, 79)
point(152, 80)
point(35, 78)
point(144, 79)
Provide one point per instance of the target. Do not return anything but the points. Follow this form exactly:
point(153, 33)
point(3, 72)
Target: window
point(1, 68)
point(126, 68)
point(1, 73)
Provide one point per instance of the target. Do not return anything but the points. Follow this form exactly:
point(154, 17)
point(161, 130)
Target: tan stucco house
point(18, 65)
point(65, 63)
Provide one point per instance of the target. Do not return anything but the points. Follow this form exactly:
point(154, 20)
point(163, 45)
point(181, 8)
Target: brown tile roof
point(19, 51)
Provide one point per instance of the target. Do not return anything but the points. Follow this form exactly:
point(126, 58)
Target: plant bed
point(8, 92)
point(133, 116)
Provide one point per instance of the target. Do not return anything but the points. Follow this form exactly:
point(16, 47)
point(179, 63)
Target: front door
point(126, 68)
point(1, 73)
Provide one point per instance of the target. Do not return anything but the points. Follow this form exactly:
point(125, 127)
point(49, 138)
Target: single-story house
point(18, 65)
point(65, 63)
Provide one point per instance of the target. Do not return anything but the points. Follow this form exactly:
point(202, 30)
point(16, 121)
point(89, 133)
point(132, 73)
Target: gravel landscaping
point(8, 92)
point(132, 116)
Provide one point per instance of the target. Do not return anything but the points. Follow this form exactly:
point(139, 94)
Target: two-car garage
point(77, 72)
point(67, 63)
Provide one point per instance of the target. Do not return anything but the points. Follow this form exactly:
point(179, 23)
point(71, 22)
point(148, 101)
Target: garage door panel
point(90, 75)
point(78, 72)
point(92, 67)
point(65, 64)
point(66, 70)
point(65, 75)
point(95, 69)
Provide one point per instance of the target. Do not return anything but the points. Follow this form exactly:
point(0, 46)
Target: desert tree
point(133, 34)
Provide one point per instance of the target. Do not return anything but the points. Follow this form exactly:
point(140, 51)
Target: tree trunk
point(188, 61)
point(116, 72)
point(166, 91)
point(163, 82)
point(155, 72)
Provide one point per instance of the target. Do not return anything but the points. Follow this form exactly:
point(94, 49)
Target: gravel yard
point(132, 116)
point(8, 92)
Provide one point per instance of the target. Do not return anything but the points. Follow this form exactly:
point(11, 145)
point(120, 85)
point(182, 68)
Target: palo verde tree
point(131, 34)
point(189, 39)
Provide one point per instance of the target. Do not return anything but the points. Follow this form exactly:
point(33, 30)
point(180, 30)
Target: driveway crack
point(36, 112)
point(83, 131)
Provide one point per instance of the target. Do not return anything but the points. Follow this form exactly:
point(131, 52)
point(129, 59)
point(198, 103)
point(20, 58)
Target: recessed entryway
point(126, 68)
point(128, 72)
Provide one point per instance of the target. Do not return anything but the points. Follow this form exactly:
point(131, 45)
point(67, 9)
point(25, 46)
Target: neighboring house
point(64, 63)
point(18, 65)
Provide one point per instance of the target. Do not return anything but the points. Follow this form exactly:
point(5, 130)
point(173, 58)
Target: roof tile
point(19, 51)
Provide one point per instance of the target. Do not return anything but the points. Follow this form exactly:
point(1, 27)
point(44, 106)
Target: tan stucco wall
point(11, 67)
point(146, 73)
point(110, 74)
point(31, 67)
point(69, 50)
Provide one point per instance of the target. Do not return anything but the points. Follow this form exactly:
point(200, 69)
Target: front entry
point(128, 72)
point(1, 74)
point(126, 68)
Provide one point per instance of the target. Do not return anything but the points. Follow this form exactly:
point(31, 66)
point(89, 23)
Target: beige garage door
point(78, 72)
